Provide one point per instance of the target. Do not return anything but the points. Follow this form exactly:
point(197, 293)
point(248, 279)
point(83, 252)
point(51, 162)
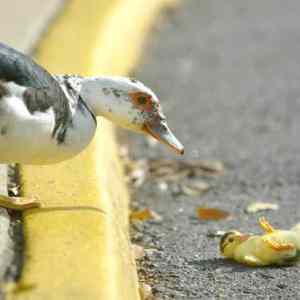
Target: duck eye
point(142, 100)
point(231, 239)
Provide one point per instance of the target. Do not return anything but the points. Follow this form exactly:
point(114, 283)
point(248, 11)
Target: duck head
point(129, 104)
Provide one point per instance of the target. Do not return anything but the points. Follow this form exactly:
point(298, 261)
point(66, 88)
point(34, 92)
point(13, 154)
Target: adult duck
point(47, 119)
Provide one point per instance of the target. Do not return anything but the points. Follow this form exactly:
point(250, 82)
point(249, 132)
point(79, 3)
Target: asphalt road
point(228, 75)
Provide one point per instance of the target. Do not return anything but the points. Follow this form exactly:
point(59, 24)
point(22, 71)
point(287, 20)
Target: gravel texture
point(227, 73)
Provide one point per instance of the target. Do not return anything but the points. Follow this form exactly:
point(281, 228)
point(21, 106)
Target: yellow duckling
point(274, 247)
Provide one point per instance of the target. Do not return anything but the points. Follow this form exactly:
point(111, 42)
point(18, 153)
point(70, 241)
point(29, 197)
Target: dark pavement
point(228, 75)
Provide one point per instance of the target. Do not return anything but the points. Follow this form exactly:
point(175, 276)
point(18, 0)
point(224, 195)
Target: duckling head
point(229, 241)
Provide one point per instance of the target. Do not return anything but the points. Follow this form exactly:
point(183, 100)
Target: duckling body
point(275, 247)
point(255, 251)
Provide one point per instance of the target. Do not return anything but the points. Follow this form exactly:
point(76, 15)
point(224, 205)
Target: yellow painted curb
point(77, 247)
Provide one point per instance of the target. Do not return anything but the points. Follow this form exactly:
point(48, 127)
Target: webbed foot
point(265, 225)
point(278, 246)
point(18, 203)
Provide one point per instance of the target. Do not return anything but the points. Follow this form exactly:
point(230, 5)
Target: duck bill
point(161, 132)
point(244, 237)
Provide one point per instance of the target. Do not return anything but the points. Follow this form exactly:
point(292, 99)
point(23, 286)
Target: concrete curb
point(77, 246)
point(32, 19)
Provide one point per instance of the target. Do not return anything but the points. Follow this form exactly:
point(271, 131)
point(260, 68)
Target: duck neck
point(102, 94)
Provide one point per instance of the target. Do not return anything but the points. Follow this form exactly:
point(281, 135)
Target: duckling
point(274, 247)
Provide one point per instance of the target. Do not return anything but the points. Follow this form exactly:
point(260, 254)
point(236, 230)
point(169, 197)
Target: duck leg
point(18, 203)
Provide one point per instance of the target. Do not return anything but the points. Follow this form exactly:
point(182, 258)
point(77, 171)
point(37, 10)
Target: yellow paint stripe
point(73, 250)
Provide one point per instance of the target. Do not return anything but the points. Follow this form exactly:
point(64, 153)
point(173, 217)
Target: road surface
point(228, 76)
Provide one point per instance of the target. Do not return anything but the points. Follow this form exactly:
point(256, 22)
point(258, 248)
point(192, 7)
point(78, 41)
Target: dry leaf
point(211, 214)
point(195, 188)
point(124, 151)
point(141, 215)
point(138, 177)
point(177, 175)
point(155, 216)
point(163, 186)
point(145, 291)
point(260, 206)
point(169, 170)
point(218, 233)
point(132, 165)
point(138, 251)
point(137, 172)
point(211, 166)
point(145, 215)
point(162, 171)
point(150, 251)
point(159, 163)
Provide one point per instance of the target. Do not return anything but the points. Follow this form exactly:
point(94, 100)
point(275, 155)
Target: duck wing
point(42, 90)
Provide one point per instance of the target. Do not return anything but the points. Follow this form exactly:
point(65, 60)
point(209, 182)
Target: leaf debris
point(145, 291)
point(195, 188)
point(145, 215)
point(212, 214)
point(255, 207)
point(138, 251)
point(213, 234)
point(164, 170)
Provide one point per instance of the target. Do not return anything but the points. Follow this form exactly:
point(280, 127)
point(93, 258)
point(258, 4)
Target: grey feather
point(43, 90)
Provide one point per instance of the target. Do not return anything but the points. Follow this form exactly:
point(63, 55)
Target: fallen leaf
point(151, 251)
point(145, 291)
point(211, 214)
point(176, 176)
point(195, 188)
point(155, 216)
point(137, 172)
point(218, 233)
point(159, 163)
point(141, 215)
point(138, 251)
point(145, 215)
point(132, 165)
point(124, 151)
point(260, 206)
point(163, 186)
point(169, 170)
point(137, 177)
point(214, 167)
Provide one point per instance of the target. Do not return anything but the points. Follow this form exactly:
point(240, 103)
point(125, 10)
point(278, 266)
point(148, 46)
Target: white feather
point(27, 138)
